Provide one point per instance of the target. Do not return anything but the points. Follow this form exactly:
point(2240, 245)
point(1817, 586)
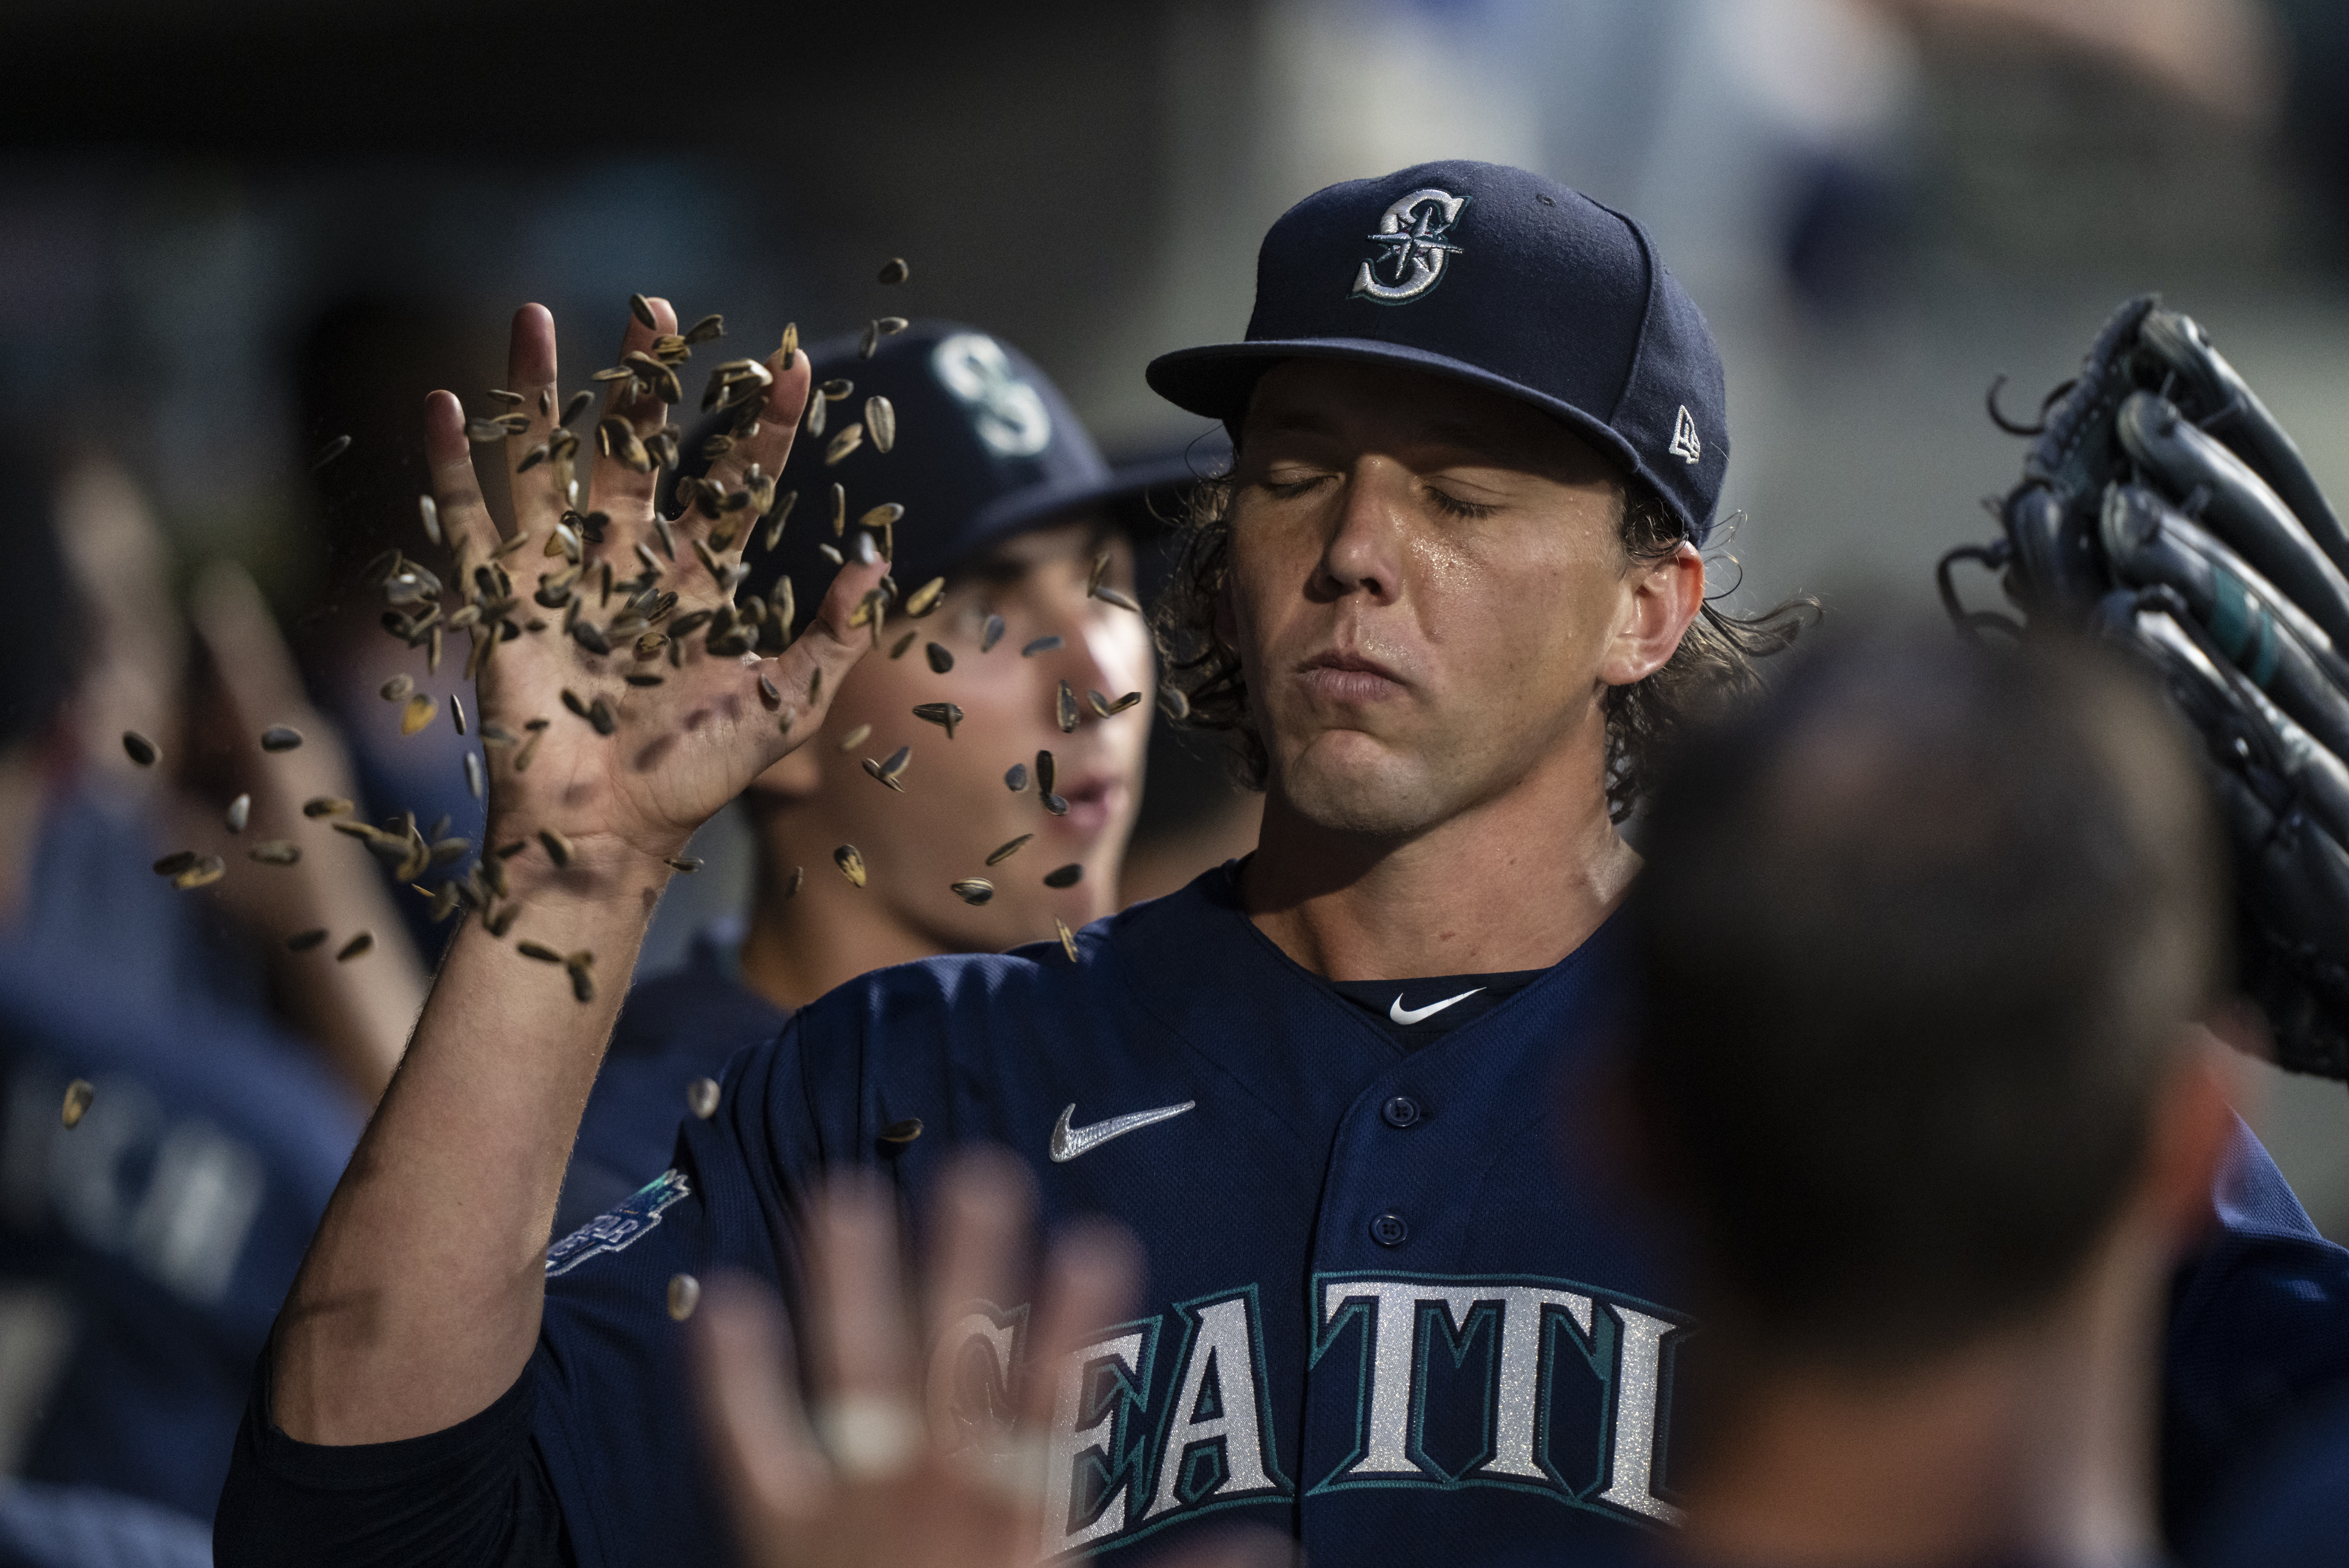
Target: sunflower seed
point(238, 813)
point(815, 683)
point(1044, 773)
point(1112, 709)
point(428, 511)
point(324, 806)
point(397, 689)
point(1068, 938)
point(1015, 778)
point(531, 459)
point(789, 350)
point(417, 714)
point(945, 715)
point(1093, 578)
point(881, 423)
point(894, 768)
point(670, 348)
point(457, 712)
point(855, 738)
point(329, 452)
point(276, 851)
point(579, 966)
point(574, 702)
point(538, 949)
point(873, 769)
point(829, 553)
point(925, 599)
point(687, 864)
point(851, 864)
point(642, 309)
point(280, 737)
point(445, 850)
point(445, 898)
point(355, 947)
point(870, 342)
point(581, 401)
point(815, 414)
point(769, 695)
point(898, 649)
point(502, 922)
point(1109, 595)
point(1067, 709)
point(1056, 805)
point(972, 890)
point(1099, 703)
point(845, 442)
point(1042, 645)
point(78, 1094)
point(990, 633)
point(701, 1097)
point(481, 431)
point(891, 324)
point(600, 715)
point(175, 863)
point(558, 848)
point(708, 329)
point(1006, 851)
point(941, 659)
point(684, 1296)
point(303, 940)
point(1064, 876)
point(895, 271)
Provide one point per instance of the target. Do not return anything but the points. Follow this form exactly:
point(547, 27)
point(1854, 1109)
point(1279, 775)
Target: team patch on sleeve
point(621, 1226)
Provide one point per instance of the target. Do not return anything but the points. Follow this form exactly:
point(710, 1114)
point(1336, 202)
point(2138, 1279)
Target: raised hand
point(616, 689)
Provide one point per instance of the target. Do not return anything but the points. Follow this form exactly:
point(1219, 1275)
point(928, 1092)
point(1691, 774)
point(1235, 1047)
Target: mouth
point(1093, 799)
point(1347, 678)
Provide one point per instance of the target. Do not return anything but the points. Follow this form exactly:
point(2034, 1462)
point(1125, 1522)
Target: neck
point(801, 945)
point(1515, 882)
point(2035, 1444)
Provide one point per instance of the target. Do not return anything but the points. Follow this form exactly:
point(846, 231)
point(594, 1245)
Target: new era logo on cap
point(1545, 296)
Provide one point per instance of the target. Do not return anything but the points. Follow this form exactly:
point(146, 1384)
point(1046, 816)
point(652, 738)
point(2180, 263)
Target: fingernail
point(867, 552)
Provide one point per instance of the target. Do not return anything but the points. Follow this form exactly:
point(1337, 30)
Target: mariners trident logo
point(1414, 247)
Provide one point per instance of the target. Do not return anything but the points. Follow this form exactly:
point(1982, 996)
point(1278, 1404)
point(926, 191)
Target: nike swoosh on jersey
point(1410, 1015)
point(1069, 1141)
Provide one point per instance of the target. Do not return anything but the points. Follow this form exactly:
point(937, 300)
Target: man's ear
point(1661, 600)
point(792, 778)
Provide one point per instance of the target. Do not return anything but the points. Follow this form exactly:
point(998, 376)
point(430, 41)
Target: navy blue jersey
point(148, 1249)
point(1391, 1307)
point(674, 1028)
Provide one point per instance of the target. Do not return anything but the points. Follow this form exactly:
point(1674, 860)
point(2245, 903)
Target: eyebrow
point(1470, 435)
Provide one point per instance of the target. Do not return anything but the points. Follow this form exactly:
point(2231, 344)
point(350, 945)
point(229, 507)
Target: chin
point(1386, 800)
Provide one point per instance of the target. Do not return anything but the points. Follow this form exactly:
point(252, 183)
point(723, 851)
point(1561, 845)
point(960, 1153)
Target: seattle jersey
point(1390, 1306)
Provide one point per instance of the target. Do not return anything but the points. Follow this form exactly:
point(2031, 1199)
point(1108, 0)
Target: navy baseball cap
point(985, 448)
point(1499, 278)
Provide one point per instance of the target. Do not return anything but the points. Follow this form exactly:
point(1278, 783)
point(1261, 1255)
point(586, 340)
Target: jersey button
point(1402, 1111)
point(1388, 1229)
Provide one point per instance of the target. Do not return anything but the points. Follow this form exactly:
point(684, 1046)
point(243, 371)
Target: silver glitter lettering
point(1525, 1313)
point(1639, 1394)
point(1071, 1442)
point(1224, 1342)
point(1393, 1331)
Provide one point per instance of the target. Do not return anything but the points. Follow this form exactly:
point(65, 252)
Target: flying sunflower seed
point(769, 695)
point(895, 271)
point(790, 348)
point(841, 445)
point(855, 738)
point(303, 940)
point(504, 398)
point(397, 689)
point(890, 326)
point(574, 702)
point(873, 769)
point(428, 511)
point(1109, 595)
point(329, 452)
point(1068, 938)
point(1112, 709)
point(457, 712)
point(558, 848)
point(78, 1094)
point(355, 947)
point(280, 737)
point(708, 329)
point(898, 649)
point(1056, 805)
point(642, 309)
point(475, 785)
point(894, 768)
point(701, 1097)
point(641, 679)
point(685, 863)
point(1067, 709)
point(445, 850)
point(1064, 876)
point(941, 659)
point(684, 1296)
point(538, 949)
point(851, 864)
point(1044, 772)
point(669, 346)
point(925, 599)
point(1099, 703)
point(1006, 851)
point(972, 890)
point(276, 851)
point(502, 922)
point(579, 966)
point(581, 401)
point(325, 806)
point(600, 715)
point(481, 431)
point(1042, 645)
point(870, 342)
point(816, 408)
point(417, 714)
point(175, 863)
point(141, 749)
point(945, 715)
point(990, 633)
point(881, 422)
point(445, 900)
point(1015, 778)
point(238, 813)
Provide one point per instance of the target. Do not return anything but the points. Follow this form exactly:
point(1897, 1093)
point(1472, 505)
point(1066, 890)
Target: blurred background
point(230, 235)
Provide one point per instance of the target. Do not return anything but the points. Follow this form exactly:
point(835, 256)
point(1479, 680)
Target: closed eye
point(1292, 488)
point(1453, 506)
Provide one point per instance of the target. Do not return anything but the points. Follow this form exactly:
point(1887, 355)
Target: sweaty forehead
point(1363, 406)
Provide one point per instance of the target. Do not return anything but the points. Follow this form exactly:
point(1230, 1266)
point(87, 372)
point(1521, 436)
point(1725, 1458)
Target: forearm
point(418, 1302)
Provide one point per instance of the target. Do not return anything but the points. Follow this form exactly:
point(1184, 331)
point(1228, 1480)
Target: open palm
point(618, 694)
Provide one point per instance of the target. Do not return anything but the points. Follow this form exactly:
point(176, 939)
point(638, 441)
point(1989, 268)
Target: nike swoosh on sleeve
point(1410, 1015)
point(1069, 1141)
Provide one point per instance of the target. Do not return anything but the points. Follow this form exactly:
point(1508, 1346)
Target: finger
point(986, 1209)
point(538, 493)
point(1247, 1547)
point(621, 491)
point(465, 519)
point(1092, 1275)
point(856, 1293)
point(768, 1463)
point(779, 420)
point(810, 671)
point(252, 663)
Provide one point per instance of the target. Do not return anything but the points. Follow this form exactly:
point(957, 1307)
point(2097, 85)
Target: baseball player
point(1010, 505)
point(1452, 597)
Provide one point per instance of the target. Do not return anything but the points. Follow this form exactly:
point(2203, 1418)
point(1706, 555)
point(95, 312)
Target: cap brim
point(1041, 506)
point(1217, 380)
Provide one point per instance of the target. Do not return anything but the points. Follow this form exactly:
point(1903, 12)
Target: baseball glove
point(2163, 508)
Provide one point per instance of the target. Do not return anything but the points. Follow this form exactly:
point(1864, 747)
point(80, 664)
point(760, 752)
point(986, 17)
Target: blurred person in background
point(1931, 941)
point(164, 1148)
point(1012, 507)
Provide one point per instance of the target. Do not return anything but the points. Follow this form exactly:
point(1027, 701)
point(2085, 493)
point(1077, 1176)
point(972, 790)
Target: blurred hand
point(867, 1480)
point(680, 750)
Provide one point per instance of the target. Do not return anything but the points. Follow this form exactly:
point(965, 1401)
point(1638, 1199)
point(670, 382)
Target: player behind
point(1005, 498)
point(1450, 599)
point(1935, 1099)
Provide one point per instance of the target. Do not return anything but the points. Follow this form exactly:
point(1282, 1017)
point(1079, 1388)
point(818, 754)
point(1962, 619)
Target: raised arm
point(418, 1302)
